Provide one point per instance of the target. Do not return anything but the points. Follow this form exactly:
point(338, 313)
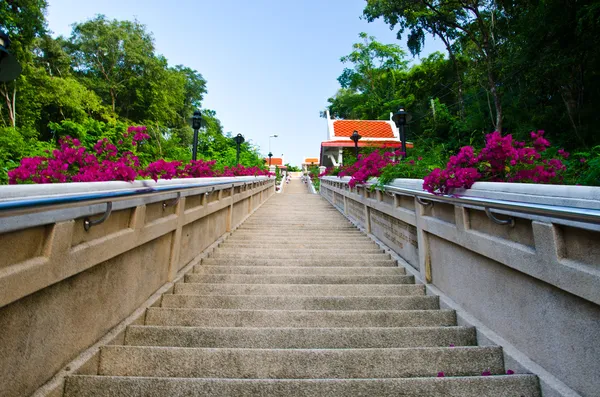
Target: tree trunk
point(495, 95)
point(459, 79)
point(113, 99)
point(10, 103)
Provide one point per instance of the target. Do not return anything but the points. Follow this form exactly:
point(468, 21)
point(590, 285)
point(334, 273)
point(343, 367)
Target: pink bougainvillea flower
point(486, 373)
point(510, 372)
point(440, 374)
point(564, 154)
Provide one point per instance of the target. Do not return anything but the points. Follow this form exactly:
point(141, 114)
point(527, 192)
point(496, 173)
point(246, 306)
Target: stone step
point(295, 279)
point(471, 386)
point(271, 302)
point(297, 270)
point(327, 224)
point(297, 244)
point(299, 363)
point(293, 252)
point(275, 232)
point(300, 338)
point(331, 262)
point(273, 240)
point(299, 318)
point(301, 289)
point(324, 255)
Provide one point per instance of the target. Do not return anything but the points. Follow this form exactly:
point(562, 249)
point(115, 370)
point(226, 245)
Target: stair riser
point(299, 364)
point(277, 338)
point(300, 303)
point(332, 262)
point(297, 252)
point(260, 279)
point(489, 386)
point(299, 319)
point(323, 256)
point(300, 290)
point(309, 271)
point(298, 245)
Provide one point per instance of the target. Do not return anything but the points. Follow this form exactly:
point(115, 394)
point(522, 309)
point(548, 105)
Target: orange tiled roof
point(366, 128)
point(390, 144)
point(274, 160)
point(309, 160)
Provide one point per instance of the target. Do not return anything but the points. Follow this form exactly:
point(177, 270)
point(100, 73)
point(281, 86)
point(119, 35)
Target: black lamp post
point(401, 117)
point(10, 68)
point(355, 137)
point(238, 139)
point(196, 124)
point(270, 155)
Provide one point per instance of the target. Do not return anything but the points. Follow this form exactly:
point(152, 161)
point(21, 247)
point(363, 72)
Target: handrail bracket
point(171, 203)
point(423, 202)
point(510, 221)
point(88, 223)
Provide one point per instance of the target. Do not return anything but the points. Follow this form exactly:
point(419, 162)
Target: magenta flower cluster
point(503, 159)
point(139, 134)
point(369, 166)
point(72, 162)
point(162, 169)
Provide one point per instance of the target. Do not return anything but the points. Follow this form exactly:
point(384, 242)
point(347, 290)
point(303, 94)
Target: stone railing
point(63, 285)
point(529, 280)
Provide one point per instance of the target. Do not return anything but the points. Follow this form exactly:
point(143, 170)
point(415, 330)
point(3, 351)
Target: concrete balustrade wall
point(63, 288)
point(533, 288)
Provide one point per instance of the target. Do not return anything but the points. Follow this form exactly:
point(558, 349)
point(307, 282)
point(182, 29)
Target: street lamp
point(10, 68)
point(355, 138)
point(271, 136)
point(401, 117)
point(270, 155)
point(238, 139)
point(196, 124)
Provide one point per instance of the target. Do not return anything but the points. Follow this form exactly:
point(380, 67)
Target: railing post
point(176, 239)
point(423, 243)
point(230, 211)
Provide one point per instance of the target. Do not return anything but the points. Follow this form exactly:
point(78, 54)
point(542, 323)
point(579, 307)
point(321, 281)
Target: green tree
point(472, 22)
point(112, 58)
point(24, 22)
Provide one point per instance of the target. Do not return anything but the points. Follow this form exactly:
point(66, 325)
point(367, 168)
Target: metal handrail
point(77, 197)
point(588, 215)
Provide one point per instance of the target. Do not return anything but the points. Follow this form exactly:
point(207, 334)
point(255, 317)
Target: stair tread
point(299, 363)
point(472, 386)
point(298, 338)
point(301, 289)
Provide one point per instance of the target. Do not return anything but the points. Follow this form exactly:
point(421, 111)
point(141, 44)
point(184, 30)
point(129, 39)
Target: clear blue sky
point(270, 64)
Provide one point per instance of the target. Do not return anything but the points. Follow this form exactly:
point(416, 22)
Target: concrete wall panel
point(535, 285)
point(45, 330)
point(557, 330)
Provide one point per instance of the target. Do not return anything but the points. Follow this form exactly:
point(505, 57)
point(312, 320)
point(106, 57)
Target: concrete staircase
point(298, 302)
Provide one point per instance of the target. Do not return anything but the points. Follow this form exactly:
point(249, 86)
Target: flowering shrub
point(162, 169)
point(72, 162)
point(503, 159)
point(369, 166)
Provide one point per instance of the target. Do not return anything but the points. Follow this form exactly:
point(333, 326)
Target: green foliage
point(514, 66)
point(313, 173)
point(292, 168)
point(583, 168)
point(419, 162)
point(92, 85)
